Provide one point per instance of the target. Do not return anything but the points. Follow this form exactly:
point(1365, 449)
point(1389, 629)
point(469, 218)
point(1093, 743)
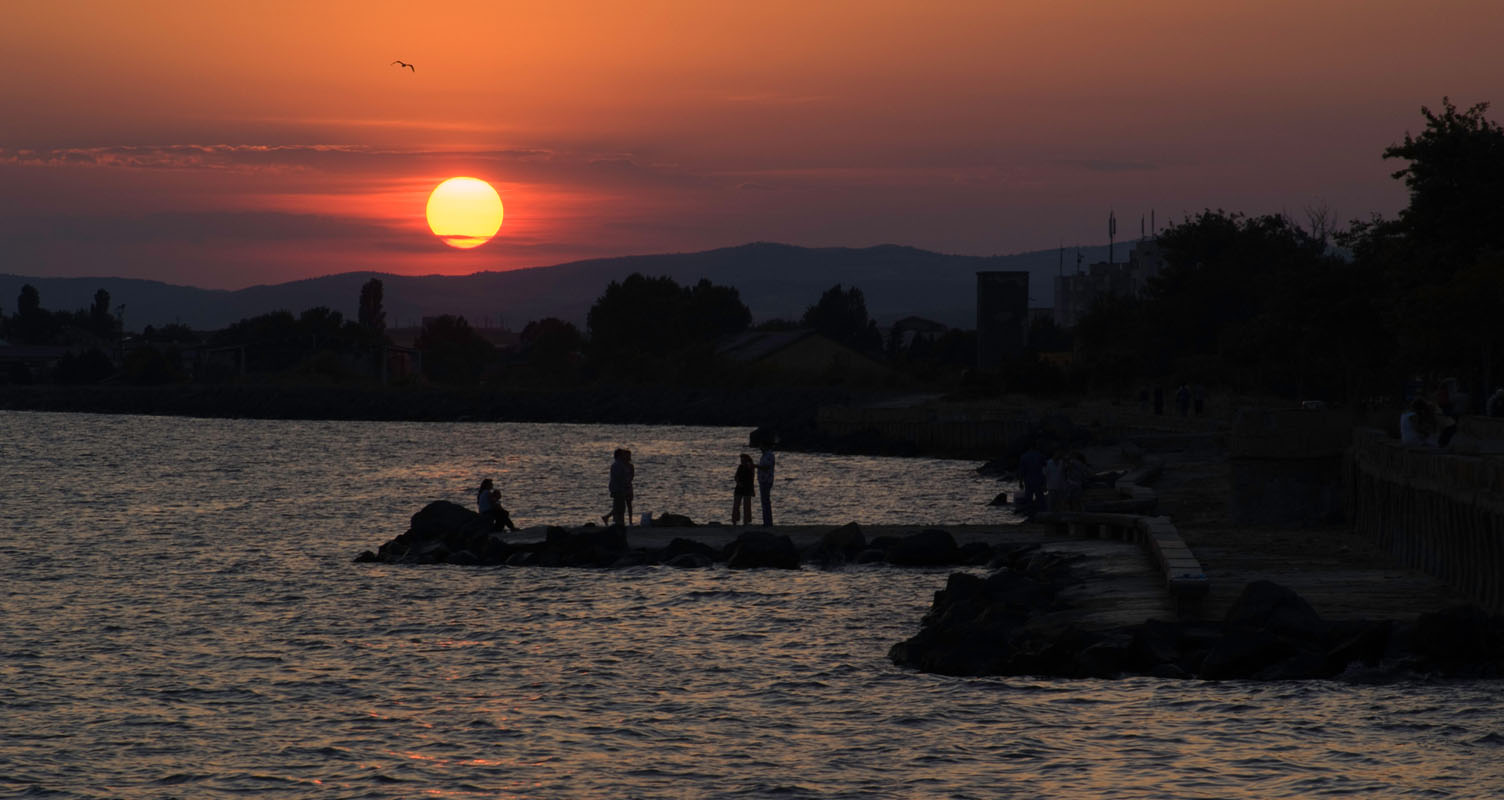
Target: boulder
point(687, 547)
point(667, 520)
point(757, 549)
point(1244, 653)
point(1267, 606)
point(838, 546)
point(598, 547)
point(1463, 641)
point(929, 548)
point(442, 519)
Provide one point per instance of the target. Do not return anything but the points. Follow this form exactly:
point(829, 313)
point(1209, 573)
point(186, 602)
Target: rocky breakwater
point(447, 533)
point(1013, 622)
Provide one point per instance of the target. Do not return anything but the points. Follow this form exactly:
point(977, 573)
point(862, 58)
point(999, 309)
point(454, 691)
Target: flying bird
point(404, 64)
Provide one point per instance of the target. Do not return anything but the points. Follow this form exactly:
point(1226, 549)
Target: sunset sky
point(229, 144)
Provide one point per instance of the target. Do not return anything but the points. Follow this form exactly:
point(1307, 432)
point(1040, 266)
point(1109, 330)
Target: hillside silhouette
point(775, 281)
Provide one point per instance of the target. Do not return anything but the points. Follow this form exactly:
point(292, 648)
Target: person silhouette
point(741, 496)
point(765, 481)
point(620, 487)
point(488, 503)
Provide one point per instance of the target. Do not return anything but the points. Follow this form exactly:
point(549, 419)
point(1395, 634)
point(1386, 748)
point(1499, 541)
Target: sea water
point(180, 617)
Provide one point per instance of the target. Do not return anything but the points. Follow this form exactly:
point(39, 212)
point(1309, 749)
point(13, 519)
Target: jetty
point(1258, 549)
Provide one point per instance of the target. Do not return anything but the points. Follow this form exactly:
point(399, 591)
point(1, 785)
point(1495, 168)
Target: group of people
point(1057, 483)
point(619, 486)
point(741, 496)
point(1188, 396)
point(1431, 421)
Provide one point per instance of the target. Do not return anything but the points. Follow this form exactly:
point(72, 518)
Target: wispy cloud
point(1110, 165)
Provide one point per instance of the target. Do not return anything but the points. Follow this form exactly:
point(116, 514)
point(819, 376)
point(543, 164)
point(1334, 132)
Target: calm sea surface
point(180, 617)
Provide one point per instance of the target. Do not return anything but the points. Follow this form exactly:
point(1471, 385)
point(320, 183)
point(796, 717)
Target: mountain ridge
point(775, 281)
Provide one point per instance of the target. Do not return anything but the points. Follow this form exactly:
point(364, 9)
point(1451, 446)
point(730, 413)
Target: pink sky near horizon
point(224, 145)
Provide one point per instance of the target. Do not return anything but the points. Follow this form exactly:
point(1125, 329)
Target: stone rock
point(1463, 641)
point(442, 518)
point(976, 554)
point(667, 520)
point(929, 548)
point(838, 546)
point(1267, 606)
point(1243, 653)
point(757, 549)
point(1357, 642)
point(594, 547)
point(689, 561)
point(682, 547)
point(1000, 500)
point(629, 559)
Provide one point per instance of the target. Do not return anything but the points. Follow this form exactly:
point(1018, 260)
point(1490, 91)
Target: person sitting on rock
point(488, 502)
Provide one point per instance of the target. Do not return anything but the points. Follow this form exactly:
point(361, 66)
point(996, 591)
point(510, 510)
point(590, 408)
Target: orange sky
point(226, 145)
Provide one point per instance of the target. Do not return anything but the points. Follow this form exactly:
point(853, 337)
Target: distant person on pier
point(1183, 400)
point(1077, 475)
point(765, 480)
point(1198, 398)
point(741, 496)
point(1031, 477)
point(620, 487)
point(1054, 481)
point(488, 503)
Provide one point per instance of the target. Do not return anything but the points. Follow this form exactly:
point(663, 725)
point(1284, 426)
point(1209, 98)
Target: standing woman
point(741, 498)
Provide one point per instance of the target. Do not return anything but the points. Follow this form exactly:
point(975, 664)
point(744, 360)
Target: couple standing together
point(623, 471)
point(741, 499)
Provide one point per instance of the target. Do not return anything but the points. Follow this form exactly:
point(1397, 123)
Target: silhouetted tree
point(645, 326)
point(91, 366)
point(151, 366)
point(1442, 254)
point(372, 315)
point(101, 321)
point(453, 352)
point(841, 314)
point(551, 347)
point(31, 324)
point(1254, 298)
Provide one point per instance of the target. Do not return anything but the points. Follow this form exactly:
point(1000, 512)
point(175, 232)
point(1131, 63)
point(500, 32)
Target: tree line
point(641, 329)
point(1261, 303)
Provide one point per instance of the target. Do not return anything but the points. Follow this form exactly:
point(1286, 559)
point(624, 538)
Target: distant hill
point(775, 280)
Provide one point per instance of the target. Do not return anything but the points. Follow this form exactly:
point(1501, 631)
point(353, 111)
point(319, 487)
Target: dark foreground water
point(179, 617)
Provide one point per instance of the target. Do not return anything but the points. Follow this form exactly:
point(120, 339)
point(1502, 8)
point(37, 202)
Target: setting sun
point(464, 212)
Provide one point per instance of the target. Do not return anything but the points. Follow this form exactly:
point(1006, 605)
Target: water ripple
point(216, 643)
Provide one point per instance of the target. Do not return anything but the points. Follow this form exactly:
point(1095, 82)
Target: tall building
point(1075, 294)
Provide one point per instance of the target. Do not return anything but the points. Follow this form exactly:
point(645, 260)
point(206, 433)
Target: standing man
point(1031, 476)
point(620, 485)
point(765, 480)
